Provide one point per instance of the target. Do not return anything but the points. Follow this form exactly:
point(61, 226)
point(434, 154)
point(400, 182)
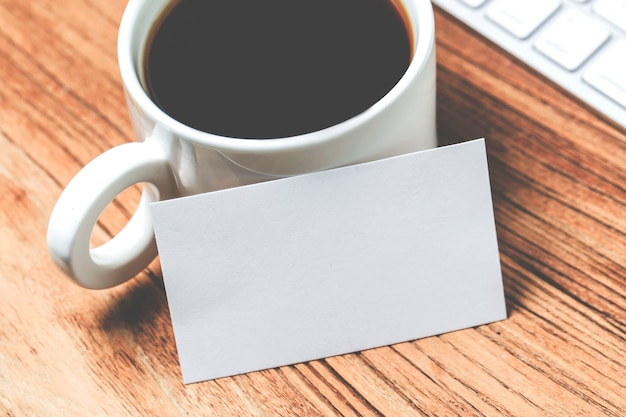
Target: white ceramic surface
point(176, 160)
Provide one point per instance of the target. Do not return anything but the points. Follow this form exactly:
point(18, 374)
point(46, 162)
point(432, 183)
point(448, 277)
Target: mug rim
point(422, 31)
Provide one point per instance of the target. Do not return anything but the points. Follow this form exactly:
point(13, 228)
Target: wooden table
point(558, 173)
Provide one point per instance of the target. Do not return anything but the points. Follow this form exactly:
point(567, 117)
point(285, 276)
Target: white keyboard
point(578, 44)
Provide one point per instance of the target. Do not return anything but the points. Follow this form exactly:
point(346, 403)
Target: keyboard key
point(521, 17)
point(612, 10)
point(528, 33)
point(608, 72)
point(474, 3)
point(571, 38)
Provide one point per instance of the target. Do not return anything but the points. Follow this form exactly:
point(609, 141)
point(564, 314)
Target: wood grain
point(558, 174)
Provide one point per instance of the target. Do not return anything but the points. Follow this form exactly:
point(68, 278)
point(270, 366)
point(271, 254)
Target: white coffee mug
point(175, 160)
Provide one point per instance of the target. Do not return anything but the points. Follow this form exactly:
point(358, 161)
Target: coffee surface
point(274, 68)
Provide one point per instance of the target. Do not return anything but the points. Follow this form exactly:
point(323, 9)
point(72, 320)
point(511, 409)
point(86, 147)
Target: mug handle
point(87, 195)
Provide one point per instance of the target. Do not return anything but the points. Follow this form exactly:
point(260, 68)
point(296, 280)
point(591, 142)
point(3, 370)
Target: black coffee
point(274, 68)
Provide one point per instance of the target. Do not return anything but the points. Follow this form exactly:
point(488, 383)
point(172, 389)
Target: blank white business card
point(329, 263)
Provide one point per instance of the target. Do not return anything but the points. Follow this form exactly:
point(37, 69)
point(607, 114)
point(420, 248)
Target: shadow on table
point(141, 308)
